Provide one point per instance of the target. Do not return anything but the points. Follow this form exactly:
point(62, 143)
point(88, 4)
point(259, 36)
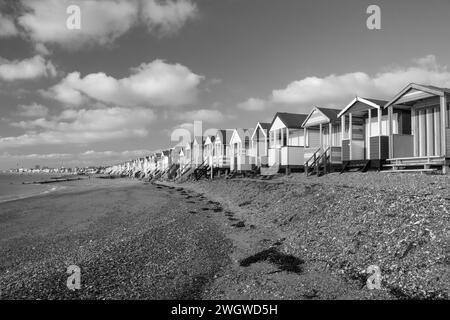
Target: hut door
point(428, 131)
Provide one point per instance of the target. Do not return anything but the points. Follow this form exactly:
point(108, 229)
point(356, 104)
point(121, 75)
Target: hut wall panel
point(375, 148)
point(447, 134)
point(313, 138)
point(336, 155)
point(403, 145)
point(345, 150)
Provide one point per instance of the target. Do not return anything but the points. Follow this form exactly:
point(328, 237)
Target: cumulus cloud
point(32, 68)
point(151, 84)
point(82, 126)
point(207, 115)
point(167, 17)
point(7, 27)
point(33, 110)
point(253, 104)
point(385, 84)
point(337, 90)
point(102, 22)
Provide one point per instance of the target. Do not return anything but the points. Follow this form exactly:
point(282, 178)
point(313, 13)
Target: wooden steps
point(412, 171)
point(231, 175)
point(415, 164)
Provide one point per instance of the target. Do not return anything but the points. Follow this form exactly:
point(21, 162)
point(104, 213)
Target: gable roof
point(331, 114)
point(290, 120)
point(242, 133)
point(210, 138)
point(227, 133)
point(265, 126)
point(374, 103)
point(424, 88)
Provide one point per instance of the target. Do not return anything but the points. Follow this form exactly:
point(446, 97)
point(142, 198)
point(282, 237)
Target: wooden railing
point(313, 158)
point(319, 161)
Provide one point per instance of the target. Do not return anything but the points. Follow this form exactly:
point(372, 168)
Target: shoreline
point(131, 240)
point(233, 239)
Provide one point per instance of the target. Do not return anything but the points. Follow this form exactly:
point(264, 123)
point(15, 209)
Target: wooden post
point(415, 131)
point(430, 132)
point(343, 127)
point(330, 134)
point(369, 132)
point(437, 132)
point(391, 131)
point(305, 140)
point(320, 135)
point(380, 130)
point(350, 135)
point(443, 127)
point(422, 140)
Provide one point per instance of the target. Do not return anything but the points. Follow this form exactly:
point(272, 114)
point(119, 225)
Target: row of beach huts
point(410, 133)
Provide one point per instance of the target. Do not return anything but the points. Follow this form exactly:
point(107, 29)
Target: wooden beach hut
point(197, 151)
point(241, 159)
point(208, 150)
point(260, 144)
point(422, 139)
point(186, 157)
point(286, 141)
point(365, 138)
point(222, 149)
point(322, 131)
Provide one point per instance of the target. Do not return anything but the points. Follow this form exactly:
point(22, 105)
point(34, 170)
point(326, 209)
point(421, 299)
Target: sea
point(15, 186)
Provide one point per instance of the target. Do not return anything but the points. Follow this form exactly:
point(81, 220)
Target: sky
point(135, 71)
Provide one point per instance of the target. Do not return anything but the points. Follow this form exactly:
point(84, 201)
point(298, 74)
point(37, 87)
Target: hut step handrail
point(313, 157)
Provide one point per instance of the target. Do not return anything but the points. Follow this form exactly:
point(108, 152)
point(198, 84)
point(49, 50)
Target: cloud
point(151, 84)
point(127, 154)
point(35, 156)
point(7, 27)
point(32, 68)
point(102, 22)
point(82, 127)
point(334, 89)
point(90, 157)
point(207, 115)
point(337, 90)
point(167, 18)
point(253, 104)
point(33, 110)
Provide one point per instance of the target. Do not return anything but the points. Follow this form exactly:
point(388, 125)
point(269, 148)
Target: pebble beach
point(288, 238)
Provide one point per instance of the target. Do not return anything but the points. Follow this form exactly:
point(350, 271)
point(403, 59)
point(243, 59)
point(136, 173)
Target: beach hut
point(365, 138)
point(286, 141)
point(421, 140)
point(186, 154)
point(240, 158)
point(260, 144)
point(197, 151)
point(322, 132)
point(222, 149)
point(165, 160)
point(208, 150)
